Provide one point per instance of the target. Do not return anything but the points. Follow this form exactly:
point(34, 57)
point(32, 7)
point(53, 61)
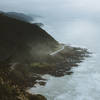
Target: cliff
point(23, 41)
point(25, 50)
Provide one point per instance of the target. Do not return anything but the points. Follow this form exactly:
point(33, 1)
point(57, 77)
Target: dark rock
point(37, 97)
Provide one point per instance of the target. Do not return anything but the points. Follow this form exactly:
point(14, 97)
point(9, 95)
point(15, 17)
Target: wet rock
point(37, 97)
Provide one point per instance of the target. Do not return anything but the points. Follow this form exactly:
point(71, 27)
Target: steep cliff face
point(23, 41)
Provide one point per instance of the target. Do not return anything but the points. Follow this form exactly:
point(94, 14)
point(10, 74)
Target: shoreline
point(28, 75)
point(78, 56)
point(65, 60)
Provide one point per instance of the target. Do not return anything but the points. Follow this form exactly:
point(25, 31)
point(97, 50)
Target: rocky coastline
point(25, 76)
point(25, 55)
point(59, 64)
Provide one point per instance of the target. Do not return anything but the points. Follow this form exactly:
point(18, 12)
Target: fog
point(62, 18)
point(54, 8)
point(75, 22)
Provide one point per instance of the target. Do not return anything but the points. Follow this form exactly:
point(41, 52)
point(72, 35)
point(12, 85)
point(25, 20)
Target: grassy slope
point(20, 42)
point(23, 40)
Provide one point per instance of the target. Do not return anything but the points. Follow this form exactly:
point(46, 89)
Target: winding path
point(53, 53)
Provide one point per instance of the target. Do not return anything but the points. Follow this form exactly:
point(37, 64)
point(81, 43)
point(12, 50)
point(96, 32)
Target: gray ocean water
point(84, 83)
point(79, 30)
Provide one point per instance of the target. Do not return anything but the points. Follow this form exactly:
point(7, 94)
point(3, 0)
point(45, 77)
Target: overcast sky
point(65, 17)
point(50, 7)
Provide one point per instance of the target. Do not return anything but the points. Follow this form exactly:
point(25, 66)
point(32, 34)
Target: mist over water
point(74, 22)
point(84, 83)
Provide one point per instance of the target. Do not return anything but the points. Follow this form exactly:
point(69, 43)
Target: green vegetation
point(25, 42)
point(11, 87)
point(41, 65)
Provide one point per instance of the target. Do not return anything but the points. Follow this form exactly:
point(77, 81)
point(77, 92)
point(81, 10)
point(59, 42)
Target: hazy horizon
point(54, 8)
point(61, 18)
